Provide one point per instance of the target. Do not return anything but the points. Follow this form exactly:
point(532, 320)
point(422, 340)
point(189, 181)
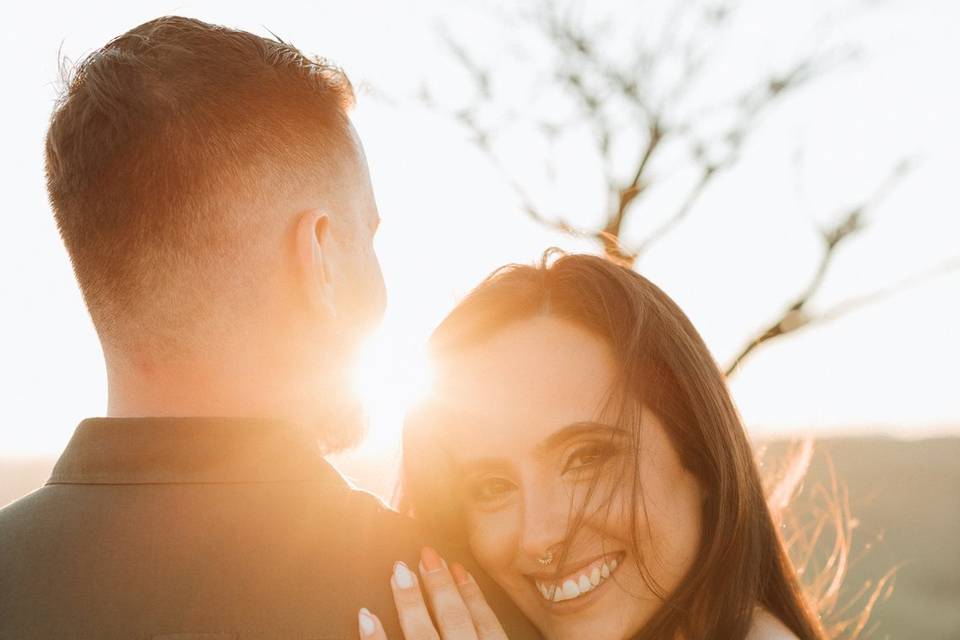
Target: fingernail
point(402, 576)
point(460, 574)
point(368, 626)
point(430, 560)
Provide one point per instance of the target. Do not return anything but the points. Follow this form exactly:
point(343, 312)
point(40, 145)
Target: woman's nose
point(545, 523)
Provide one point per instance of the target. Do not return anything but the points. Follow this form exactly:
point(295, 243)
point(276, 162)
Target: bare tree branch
point(693, 195)
point(555, 223)
point(796, 315)
point(638, 100)
point(592, 81)
point(628, 193)
point(856, 303)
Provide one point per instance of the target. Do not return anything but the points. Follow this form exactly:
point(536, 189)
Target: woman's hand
point(459, 609)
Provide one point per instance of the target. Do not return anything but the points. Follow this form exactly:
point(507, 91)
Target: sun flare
point(391, 374)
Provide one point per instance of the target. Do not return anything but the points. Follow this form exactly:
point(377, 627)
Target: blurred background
point(785, 171)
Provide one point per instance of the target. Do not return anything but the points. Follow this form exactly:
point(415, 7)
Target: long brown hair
point(665, 366)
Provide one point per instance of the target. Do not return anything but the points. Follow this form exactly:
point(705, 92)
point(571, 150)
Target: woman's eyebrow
point(578, 429)
point(553, 441)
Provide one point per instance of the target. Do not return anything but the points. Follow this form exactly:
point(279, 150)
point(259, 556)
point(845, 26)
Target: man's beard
point(343, 423)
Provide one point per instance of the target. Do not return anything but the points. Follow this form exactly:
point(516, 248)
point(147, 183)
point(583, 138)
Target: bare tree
point(648, 120)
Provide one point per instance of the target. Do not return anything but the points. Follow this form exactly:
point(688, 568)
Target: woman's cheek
point(492, 540)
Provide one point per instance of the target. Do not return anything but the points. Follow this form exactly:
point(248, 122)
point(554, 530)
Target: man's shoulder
point(305, 536)
point(364, 519)
point(23, 513)
point(365, 504)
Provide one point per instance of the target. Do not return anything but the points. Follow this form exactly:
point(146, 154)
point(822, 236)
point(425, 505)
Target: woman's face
point(522, 412)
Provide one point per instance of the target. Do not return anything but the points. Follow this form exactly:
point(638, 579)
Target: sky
point(449, 218)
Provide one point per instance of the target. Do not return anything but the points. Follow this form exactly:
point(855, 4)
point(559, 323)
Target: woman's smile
point(570, 591)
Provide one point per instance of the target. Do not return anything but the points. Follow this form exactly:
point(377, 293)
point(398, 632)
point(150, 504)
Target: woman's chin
point(606, 612)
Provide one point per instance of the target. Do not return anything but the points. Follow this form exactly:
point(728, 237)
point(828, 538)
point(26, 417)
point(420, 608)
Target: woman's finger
point(484, 619)
point(449, 610)
point(370, 627)
point(411, 608)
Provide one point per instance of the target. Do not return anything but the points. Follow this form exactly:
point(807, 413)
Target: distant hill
point(905, 496)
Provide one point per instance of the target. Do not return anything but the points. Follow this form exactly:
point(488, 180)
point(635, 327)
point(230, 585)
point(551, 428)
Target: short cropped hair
point(161, 134)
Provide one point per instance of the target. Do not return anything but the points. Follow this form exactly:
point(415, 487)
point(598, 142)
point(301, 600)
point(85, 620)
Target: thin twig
point(854, 304)
point(795, 315)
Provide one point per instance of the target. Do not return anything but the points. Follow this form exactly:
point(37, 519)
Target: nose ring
point(547, 558)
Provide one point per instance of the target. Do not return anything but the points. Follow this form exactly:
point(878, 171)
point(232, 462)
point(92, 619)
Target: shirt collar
point(191, 450)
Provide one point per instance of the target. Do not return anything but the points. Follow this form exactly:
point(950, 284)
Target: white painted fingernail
point(368, 625)
point(402, 576)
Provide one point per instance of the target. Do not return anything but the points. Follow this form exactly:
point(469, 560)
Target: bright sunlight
point(390, 375)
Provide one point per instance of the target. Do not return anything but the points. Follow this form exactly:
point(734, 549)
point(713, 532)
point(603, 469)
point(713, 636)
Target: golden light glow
point(391, 375)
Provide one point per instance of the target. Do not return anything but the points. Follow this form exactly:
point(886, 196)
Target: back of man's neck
point(208, 389)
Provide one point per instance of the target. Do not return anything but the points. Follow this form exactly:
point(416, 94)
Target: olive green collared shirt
point(203, 529)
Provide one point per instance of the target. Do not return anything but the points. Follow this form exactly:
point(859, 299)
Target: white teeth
point(584, 584)
point(575, 587)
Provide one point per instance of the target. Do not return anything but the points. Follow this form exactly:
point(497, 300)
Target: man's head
point(212, 193)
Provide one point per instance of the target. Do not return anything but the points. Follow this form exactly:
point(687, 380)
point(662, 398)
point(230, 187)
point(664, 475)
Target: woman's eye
point(587, 457)
point(490, 489)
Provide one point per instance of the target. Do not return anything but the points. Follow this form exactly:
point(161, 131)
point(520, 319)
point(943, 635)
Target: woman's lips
point(580, 582)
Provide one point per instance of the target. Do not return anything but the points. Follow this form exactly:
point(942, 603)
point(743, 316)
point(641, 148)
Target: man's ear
point(313, 252)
